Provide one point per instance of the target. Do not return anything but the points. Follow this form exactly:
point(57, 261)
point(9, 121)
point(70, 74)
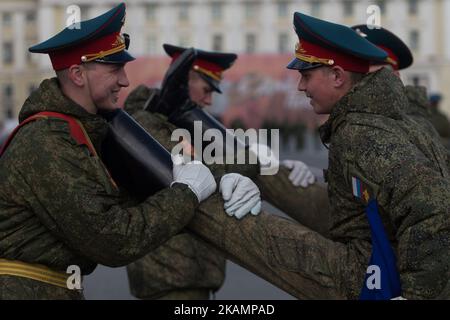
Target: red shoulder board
point(76, 129)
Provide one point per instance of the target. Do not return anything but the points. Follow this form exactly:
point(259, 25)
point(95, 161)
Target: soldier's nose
point(123, 79)
point(301, 86)
point(207, 101)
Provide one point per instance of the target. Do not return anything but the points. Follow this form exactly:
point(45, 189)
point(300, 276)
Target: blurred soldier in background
point(196, 269)
point(400, 58)
point(439, 119)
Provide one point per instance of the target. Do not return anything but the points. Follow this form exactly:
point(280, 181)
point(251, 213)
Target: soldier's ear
point(340, 76)
point(76, 74)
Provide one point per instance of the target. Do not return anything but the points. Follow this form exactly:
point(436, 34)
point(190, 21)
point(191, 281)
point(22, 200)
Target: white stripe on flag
point(355, 187)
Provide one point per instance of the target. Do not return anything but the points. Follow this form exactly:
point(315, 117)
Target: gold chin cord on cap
point(117, 46)
point(391, 61)
point(300, 54)
point(215, 75)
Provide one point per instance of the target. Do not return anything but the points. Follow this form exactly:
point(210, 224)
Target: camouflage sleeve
point(249, 170)
point(414, 191)
point(285, 253)
point(137, 98)
point(75, 199)
point(309, 206)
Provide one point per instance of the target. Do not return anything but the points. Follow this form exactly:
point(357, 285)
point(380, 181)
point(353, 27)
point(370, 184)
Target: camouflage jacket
point(419, 110)
point(58, 206)
point(418, 102)
point(405, 170)
point(441, 123)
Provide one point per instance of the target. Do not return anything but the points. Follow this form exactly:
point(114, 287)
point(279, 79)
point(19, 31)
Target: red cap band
point(392, 59)
point(310, 52)
point(213, 70)
point(64, 58)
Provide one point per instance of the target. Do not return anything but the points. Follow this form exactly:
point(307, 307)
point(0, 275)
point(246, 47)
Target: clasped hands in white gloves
point(241, 195)
point(300, 174)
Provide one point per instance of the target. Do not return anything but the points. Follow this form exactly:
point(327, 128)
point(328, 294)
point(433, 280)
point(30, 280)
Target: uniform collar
point(378, 93)
point(49, 97)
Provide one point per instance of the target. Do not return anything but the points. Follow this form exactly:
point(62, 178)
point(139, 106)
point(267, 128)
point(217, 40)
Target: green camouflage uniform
point(371, 139)
point(419, 109)
point(184, 265)
point(309, 206)
point(406, 171)
point(58, 206)
point(441, 123)
point(418, 104)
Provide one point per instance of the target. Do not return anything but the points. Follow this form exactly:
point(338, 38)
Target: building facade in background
point(241, 26)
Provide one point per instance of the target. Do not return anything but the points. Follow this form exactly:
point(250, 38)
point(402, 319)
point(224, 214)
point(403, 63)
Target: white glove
point(300, 174)
point(241, 195)
point(195, 175)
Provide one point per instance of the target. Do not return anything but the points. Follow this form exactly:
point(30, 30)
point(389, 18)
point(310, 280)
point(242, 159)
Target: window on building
point(349, 6)
point(283, 42)
point(7, 18)
point(414, 39)
point(251, 10)
point(216, 11)
point(413, 7)
point(8, 98)
point(183, 11)
point(7, 52)
point(152, 46)
point(316, 6)
point(283, 9)
point(217, 43)
point(30, 17)
point(382, 5)
point(250, 43)
point(151, 12)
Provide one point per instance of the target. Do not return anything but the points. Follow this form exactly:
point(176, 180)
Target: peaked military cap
point(399, 55)
point(209, 64)
point(97, 39)
point(325, 43)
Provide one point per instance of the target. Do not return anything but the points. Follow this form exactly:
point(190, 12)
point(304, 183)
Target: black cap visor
point(212, 82)
point(297, 64)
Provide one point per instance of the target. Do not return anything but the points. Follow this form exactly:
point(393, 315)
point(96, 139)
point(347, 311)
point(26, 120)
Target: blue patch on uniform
point(384, 282)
